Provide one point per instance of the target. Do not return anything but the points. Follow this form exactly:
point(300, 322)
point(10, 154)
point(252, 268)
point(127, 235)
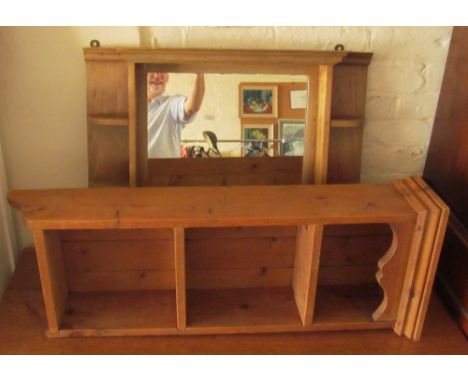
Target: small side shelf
point(342, 122)
point(108, 120)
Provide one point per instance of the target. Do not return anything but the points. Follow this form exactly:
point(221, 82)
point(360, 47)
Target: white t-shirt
point(166, 119)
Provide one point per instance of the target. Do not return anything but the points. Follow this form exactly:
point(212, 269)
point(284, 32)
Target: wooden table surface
point(22, 331)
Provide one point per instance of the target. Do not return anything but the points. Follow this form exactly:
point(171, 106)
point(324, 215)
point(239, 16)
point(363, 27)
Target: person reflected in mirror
point(168, 115)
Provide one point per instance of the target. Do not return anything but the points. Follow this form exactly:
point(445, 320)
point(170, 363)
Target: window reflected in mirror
point(225, 115)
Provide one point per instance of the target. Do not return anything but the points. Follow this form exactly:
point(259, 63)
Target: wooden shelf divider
point(179, 249)
point(305, 276)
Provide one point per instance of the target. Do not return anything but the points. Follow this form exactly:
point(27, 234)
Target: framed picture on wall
point(291, 134)
point(257, 137)
point(258, 101)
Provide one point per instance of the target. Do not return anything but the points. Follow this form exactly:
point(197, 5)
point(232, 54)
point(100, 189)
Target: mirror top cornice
point(240, 57)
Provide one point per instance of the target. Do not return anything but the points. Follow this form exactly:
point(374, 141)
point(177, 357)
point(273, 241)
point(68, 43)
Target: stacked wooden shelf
point(123, 261)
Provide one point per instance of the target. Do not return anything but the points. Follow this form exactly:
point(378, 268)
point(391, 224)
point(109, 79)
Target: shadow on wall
point(8, 245)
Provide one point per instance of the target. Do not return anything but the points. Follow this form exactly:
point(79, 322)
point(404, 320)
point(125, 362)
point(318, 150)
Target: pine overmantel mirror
point(276, 117)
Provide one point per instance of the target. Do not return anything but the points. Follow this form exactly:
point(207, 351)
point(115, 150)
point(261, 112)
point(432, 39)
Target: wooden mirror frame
point(316, 65)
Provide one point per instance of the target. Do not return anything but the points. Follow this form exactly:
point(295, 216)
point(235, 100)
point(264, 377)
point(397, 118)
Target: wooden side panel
point(349, 91)
point(181, 303)
point(132, 125)
point(310, 133)
point(323, 123)
point(422, 281)
point(398, 266)
point(107, 101)
point(53, 275)
point(108, 155)
point(306, 266)
point(107, 88)
point(348, 102)
point(345, 151)
point(141, 125)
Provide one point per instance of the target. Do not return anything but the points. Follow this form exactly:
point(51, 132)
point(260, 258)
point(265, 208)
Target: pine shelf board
point(242, 307)
point(108, 120)
point(346, 122)
point(153, 207)
point(112, 311)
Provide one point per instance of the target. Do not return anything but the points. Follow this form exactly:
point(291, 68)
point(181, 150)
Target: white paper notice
point(298, 99)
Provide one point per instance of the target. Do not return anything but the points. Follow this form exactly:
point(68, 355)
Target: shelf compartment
point(242, 307)
point(346, 304)
point(120, 310)
point(348, 292)
point(240, 277)
point(114, 281)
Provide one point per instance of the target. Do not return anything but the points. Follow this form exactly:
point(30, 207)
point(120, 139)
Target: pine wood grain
point(210, 206)
point(306, 266)
point(242, 307)
point(180, 279)
point(53, 276)
point(120, 310)
point(234, 60)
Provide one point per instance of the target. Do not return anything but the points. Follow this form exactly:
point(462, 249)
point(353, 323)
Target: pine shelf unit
point(108, 120)
point(235, 254)
point(136, 261)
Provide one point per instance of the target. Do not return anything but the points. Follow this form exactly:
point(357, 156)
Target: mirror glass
point(239, 115)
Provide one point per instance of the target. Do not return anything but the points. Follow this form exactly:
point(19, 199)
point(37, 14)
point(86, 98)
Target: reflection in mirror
point(225, 115)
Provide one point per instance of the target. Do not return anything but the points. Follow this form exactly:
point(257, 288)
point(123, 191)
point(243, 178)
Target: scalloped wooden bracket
point(391, 271)
point(406, 272)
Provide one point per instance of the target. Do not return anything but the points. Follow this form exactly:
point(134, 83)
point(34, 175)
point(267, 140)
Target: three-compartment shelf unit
point(241, 259)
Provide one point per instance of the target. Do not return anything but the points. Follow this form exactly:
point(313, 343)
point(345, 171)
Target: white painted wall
point(43, 99)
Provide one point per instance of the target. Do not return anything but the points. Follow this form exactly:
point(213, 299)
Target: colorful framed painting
point(259, 140)
point(258, 101)
point(291, 134)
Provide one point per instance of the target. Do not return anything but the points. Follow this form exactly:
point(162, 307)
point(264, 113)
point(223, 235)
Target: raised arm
point(195, 97)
